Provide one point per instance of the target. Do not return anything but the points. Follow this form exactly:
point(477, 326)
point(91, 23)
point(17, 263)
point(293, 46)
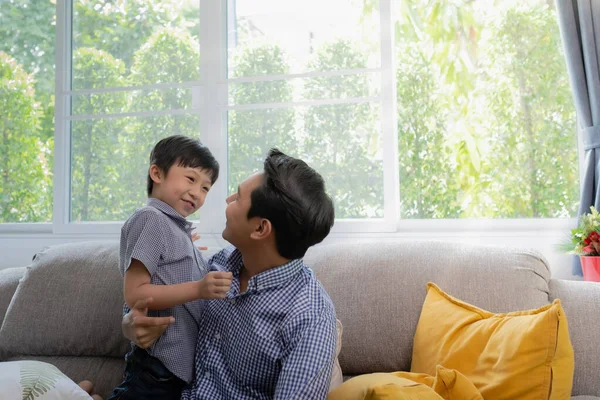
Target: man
point(273, 336)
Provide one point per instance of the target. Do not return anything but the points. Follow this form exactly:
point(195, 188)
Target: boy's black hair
point(186, 152)
point(293, 198)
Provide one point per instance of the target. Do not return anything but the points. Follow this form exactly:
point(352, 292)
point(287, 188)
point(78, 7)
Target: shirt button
point(217, 336)
point(232, 301)
point(207, 374)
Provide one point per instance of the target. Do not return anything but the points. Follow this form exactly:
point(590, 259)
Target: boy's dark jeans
point(147, 378)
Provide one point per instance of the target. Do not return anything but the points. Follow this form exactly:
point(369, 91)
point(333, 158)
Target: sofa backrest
point(378, 290)
point(581, 302)
point(79, 283)
point(9, 280)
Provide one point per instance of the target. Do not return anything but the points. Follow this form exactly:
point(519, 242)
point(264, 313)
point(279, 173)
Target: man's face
point(238, 227)
point(183, 188)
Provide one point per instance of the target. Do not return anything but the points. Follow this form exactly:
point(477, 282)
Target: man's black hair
point(292, 196)
point(186, 152)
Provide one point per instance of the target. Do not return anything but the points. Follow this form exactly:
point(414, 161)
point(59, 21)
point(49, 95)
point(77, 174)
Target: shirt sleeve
point(142, 238)
point(308, 362)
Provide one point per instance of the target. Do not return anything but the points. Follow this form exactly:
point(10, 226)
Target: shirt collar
point(273, 277)
point(170, 211)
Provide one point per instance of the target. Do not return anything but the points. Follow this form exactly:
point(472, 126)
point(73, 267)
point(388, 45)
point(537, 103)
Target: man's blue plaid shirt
point(275, 341)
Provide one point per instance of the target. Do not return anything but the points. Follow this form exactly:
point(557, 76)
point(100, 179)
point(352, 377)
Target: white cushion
point(37, 380)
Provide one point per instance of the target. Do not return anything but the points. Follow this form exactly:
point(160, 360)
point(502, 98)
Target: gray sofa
point(65, 308)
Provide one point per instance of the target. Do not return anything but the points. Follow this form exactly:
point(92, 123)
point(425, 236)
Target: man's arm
point(137, 286)
point(306, 368)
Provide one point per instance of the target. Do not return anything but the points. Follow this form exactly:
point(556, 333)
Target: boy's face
point(238, 227)
point(183, 188)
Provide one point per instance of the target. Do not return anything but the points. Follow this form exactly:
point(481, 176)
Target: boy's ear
point(263, 230)
point(155, 173)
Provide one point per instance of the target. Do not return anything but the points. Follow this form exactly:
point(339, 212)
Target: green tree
point(532, 132)
point(339, 138)
point(121, 27)
point(504, 100)
point(96, 160)
point(252, 133)
point(25, 180)
point(169, 55)
point(428, 188)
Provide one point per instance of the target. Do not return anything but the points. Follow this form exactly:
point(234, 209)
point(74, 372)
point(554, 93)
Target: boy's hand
point(141, 329)
point(215, 285)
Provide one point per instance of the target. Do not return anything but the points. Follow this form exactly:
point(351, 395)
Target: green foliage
point(96, 161)
point(428, 188)
point(252, 133)
point(585, 238)
point(338, 138)
point(532, 123)
point(25, 189)
point(486, 122)
point(120, 27)
point(169, 55)
point(499, 92)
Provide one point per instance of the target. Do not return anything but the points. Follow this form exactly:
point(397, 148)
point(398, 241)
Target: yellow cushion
point(447, 384)
point(519, 355)
point(367, 386)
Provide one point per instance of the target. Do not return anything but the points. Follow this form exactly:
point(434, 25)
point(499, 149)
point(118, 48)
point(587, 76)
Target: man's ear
point(263, 230)
point(155, 173)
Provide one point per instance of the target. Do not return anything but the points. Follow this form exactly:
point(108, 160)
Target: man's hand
point(195, 237)
point(215, 285)
point(141, 329)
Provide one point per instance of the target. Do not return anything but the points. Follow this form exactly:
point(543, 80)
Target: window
point(27, 110)
point(486, 122)
point(134, 66)
point(309, 83)
point(410, 109)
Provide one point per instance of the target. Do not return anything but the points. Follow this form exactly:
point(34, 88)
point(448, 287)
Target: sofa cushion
point(446, 384)
point(518, 355)
point(104, 372)
point(69, 303)
point(366, 387)
point(39, 380)
point(9, 280)
point(378, 290)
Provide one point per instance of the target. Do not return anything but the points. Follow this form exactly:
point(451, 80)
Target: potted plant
point(585, 242)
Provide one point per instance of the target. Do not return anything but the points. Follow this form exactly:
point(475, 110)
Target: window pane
point(486, 121)
point(26, 110)
point(298, 30)
point(136, 42)
point(342, 142)
point(297, 89)
point(109, 163)
point(132, 101)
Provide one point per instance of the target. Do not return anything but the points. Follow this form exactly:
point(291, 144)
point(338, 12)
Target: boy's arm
point(137, 286)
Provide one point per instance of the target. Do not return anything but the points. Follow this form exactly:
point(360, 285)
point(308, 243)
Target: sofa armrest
point(581, 302)
point(9, 280)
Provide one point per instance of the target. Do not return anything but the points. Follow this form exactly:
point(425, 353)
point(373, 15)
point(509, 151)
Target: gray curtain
point(579, 22)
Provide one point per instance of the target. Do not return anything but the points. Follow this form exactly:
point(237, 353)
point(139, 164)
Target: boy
point(159, 260)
